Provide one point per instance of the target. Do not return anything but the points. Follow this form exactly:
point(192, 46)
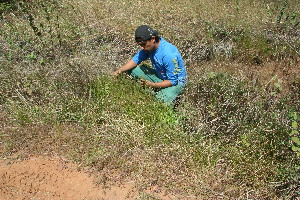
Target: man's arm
point(127, 66)
point(162, 84)
point(172, 68)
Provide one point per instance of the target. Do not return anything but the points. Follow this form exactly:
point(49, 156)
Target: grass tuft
point(235, 132)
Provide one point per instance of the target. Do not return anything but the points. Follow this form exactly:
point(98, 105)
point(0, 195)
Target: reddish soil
point(50, 178)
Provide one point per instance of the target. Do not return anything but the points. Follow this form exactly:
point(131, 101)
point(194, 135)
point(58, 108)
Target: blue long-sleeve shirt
point(167, 62)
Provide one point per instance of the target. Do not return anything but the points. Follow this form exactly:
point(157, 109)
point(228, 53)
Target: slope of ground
point(51, 178)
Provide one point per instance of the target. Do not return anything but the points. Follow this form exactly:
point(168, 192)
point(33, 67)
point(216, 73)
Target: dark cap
point(144, 32)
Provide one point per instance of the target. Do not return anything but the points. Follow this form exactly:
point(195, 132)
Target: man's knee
point(169, 95)
point(135, 72)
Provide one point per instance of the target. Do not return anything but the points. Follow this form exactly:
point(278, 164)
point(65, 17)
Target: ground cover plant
point(236, 132)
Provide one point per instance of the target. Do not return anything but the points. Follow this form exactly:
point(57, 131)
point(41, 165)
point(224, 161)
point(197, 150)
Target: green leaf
point(295, 125)
point(294, 115)
point(294, 132)
point(294, 148)
point(212, 74)
point(296, 140)
point(42, 61)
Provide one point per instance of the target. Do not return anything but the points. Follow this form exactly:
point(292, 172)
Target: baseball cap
point(144, 32)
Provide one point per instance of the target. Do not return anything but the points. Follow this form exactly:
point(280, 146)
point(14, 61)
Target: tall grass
point(233, 135)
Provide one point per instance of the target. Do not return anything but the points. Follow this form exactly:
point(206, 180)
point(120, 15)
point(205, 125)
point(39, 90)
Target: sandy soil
point(50, 178)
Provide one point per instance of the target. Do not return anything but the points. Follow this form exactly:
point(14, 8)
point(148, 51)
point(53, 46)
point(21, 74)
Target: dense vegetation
point(235, 134)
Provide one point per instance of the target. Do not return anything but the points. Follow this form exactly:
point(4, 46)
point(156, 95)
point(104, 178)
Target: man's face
point(148, 45)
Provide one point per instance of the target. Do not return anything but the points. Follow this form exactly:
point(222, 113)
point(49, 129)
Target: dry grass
point(56, 96)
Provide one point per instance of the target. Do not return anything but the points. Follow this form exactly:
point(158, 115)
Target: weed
point(295, 133)
point(231, 135)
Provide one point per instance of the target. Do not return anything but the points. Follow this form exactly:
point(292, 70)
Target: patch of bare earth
point(51, 178)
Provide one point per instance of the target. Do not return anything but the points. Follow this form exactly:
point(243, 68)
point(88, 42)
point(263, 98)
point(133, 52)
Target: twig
point(22, 98)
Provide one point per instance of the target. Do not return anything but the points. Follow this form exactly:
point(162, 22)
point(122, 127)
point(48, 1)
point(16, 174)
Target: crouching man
point(168, 74)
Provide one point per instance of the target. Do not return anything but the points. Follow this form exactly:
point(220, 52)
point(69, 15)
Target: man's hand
point(117, 72)
point(145, 83)
point(128, 66)
point(162, 84)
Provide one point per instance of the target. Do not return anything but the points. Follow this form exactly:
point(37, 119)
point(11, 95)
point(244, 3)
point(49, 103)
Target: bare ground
point(52, 178)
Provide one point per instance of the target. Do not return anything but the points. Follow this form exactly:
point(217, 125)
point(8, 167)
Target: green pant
point(168, 95)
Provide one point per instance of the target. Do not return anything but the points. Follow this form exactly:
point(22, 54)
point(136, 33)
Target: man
point(169, 73)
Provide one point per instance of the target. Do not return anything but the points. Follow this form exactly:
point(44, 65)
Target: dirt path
point(49, 178)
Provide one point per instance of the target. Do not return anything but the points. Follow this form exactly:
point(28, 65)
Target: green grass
point(233, 133)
